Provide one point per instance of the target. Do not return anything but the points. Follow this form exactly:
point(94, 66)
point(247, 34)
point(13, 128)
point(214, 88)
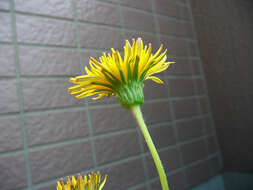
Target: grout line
point(180, 76)
point(197, 99)
point(94, 106)
point(103, 135)
point(138, 9)
point(12, 152)
point(205, 82)
point(88, 107)
point(164, 74)
point(194, 163)
point(87, 138)
point(177, 37)
point(176, 131)
point(12, 114)
point(86, 102)
point(171, 18)
point(99, 50)
point(175, 171)
point(55, 110)
point(144, 162)
point(168, 36)
point(136, 186)
point(66, 19)
point(66, 77)
point(176, 135)
point(6, 43)
point(44, 16)
point(20, 95)
point(5, 11)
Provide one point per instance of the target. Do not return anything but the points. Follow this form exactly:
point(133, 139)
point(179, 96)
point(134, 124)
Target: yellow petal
point(73, 181)
point(59, 187)
point(62, 184)
point(99, 97)
point(103, 183)
point(155, 79)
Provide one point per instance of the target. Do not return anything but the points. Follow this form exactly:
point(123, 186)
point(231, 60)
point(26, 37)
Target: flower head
point(123, 78)
point(82, 183)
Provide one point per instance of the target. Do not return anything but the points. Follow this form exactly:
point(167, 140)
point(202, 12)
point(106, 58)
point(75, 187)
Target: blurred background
point(200, 120)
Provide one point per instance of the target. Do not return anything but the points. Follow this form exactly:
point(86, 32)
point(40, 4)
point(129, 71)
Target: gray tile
point(200, 86)
point(193, 48)
point(119, 177)
point(153, 90)
point(194, 151)
point(7, 68)
point(110, 1)
point(176, 47)
point(101, 119)
point(183, 1)
point(170, 160)
point(176, 181)
point(51, 186)
point(171, 27)
point(167, 8)
point(117, 147)
point(4, 5)
point(13, 172)
point(138, 4)
point(53, 127)
point(215, 166)
point(8, 96)
point(100, 37)
point(48, 61)
point(11, 134)
point(6, 31)
point(212, 145)
point(45, 31)
point(182, 66)
point(185, 108)
point(98, 12)
point(190, 129)
point(146, 38)
point(86, 54)
point(198, 173)
point(185, 13)
point(47, 93)
point(196, 67)
point(138, 21)
point(204, 104)
point(157, 184)
point(155, 112)
point(162, 136)
point(181, 87)
point(200, 7)
point(142, 187)
point(60, 161)
point(52, 7)
point(209, 125)
point(189, 30)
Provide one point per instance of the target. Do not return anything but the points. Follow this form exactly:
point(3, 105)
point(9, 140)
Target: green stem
point(136, 110)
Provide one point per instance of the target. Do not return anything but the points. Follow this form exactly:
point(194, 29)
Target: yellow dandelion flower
point(82, 183)
point(121, 77)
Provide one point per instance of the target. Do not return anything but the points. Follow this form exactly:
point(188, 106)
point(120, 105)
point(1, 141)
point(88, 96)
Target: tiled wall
point(225, 35)
point(46, 133)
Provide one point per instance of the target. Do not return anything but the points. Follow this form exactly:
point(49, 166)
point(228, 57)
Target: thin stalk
point(136, 110)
